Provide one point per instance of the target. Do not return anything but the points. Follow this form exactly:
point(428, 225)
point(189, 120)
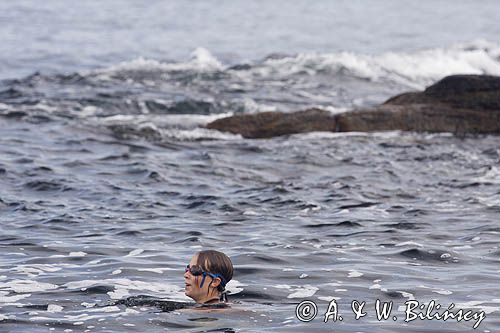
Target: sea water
point(109, 183)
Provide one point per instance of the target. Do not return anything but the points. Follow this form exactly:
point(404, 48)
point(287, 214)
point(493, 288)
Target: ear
point(215, 282)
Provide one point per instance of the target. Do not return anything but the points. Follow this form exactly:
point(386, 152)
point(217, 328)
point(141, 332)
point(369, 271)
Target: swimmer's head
point(206, 276)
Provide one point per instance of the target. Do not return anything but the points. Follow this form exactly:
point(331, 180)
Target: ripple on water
point(294, 214)
point(47, 186)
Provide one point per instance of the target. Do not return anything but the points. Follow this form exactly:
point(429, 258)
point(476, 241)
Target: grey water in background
point(108, 184)
point(57, 37)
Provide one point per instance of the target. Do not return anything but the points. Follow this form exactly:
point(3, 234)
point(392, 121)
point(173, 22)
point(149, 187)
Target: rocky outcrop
point(473, 92)
point(269, 124)
point(459, 104)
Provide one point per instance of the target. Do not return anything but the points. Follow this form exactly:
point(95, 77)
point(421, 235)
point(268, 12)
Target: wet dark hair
point(216, 262)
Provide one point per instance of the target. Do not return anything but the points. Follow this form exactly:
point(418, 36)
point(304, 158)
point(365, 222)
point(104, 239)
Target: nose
point(186, 275)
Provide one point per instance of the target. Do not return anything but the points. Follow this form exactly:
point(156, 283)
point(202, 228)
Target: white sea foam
point(54, 308)
point(182, 127)
point(88, 305)
point(88, 111)
point(26, 286)
point(408, 295)
point(124, 286)
point(416, 69)
point(409, 243)
point(303, 292)
point(442, 292)
point(354, 274)
point(250, 213)
point(101, 314)
point(134, 253)
point(11, 299)
point(332, 135)
point(252, 106)
point(234, 287)
point(184, 121)
point(198, 134)
point(329, 298)
point(201, 60)
point(298, 291)
point(492, 175)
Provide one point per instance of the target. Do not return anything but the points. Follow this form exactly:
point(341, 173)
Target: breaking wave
point(152, 98)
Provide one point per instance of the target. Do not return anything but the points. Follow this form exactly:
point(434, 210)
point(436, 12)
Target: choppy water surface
point(108, 185)
point(88, 218)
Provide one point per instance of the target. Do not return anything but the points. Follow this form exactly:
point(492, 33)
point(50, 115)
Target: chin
point(188, 294)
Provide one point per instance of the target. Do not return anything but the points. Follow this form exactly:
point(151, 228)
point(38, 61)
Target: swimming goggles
point(196, 270)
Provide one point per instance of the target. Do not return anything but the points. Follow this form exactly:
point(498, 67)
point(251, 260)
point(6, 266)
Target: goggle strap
point(203, 280)
point(222, 280)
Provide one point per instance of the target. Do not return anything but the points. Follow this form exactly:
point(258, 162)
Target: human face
point(192, 285)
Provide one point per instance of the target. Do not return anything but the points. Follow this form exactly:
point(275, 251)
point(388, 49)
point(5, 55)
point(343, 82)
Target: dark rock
point(269, 124)
point(477, 92)
point(420, 118)
point(459, 104)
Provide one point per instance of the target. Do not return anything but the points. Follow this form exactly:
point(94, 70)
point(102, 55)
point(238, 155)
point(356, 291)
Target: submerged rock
point(459, 104)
